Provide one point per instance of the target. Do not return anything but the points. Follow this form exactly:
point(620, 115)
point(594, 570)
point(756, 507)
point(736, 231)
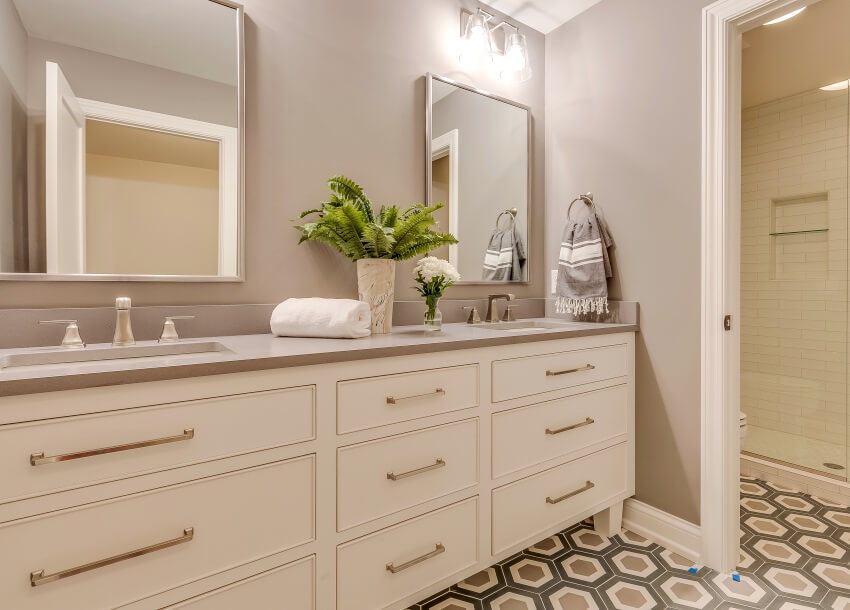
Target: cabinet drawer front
point(530, 435)
point(236, 518)
point(59, 454)
point(519, 377)
point(378, 401)
point(377, 570)
point(384, 476)
point(542, 501)
point(290, 586)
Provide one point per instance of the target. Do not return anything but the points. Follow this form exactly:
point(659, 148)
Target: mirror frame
point(240, 125)
point(429, 137)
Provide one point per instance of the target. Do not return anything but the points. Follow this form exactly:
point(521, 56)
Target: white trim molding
point(671, 532)
point(228, 165)
point(448, 145)
point(722, 25)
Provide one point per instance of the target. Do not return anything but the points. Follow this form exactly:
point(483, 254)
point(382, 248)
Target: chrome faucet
point(123, 327)
point(492, 314)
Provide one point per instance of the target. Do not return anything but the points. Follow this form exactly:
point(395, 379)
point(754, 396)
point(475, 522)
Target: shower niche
point(799, 236)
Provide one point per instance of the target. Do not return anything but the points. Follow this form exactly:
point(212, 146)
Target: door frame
point(228, 165)
point(723, 23)
point(448, 145)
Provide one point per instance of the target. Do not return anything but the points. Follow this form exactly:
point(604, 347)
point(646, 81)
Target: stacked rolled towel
point(325, 318)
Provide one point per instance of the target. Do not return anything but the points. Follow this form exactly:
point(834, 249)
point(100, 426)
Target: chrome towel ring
point(587, 198)
point(512, 213)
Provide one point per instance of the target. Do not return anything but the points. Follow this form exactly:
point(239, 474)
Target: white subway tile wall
point(794, 262)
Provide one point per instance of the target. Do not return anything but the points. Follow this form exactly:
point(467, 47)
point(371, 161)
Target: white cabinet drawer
point(236, 518)
point(380, 569)
point(291, 586)
point(537, 503)
point(530, 435)
point(390, 474)
point(148, 439)
point(519, 377)
point(389, 399)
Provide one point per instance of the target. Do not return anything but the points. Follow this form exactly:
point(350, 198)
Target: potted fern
point(348, 222)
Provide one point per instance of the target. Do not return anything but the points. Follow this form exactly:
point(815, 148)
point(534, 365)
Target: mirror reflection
point(119, 142)
point(478, 165)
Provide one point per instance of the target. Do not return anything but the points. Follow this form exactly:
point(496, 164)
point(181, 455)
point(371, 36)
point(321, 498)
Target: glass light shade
point(515, 66)
point(476, 44)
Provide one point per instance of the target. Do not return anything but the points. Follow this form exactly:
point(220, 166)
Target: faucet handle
point(474, 317)
point(72, 339)
point(509, 316)
point(169, 330)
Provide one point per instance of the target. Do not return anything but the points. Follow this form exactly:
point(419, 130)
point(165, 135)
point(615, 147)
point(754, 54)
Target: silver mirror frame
point(240, 277)
point(429, 79)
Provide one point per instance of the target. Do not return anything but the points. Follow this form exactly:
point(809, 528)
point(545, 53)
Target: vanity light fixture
point(785, 17)
point(477, 45)
point(839, 86)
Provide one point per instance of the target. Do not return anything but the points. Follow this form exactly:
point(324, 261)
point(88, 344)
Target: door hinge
point(727, 322)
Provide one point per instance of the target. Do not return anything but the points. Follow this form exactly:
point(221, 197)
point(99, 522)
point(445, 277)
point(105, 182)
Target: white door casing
point(723, 22)
point(65, 171)
point(448, 145)
point(227, 138)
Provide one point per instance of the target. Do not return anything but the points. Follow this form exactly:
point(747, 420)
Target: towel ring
point(587, 198)
point(512, 213)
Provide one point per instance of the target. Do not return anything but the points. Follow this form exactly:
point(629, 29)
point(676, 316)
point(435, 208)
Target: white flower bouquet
point(434, 275)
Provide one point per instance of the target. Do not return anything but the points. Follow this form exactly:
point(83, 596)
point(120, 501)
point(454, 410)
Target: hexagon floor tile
point(795, 554)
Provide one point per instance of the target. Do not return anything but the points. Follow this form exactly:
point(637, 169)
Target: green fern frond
point(348, 190)
point(429, 243)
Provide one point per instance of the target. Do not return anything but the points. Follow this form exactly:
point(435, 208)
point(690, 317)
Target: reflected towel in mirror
point(505, 257)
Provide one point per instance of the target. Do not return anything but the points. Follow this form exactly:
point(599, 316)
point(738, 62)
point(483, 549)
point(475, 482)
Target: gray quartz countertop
point(260, 352)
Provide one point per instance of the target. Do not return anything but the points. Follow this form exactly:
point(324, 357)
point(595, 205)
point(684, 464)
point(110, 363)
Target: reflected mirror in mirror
point(120, 154)
point(478, 166)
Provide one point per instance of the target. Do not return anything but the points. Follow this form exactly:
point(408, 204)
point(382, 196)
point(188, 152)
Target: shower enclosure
point(794, 280)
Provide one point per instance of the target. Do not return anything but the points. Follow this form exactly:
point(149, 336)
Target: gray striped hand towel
point(584, 267)
point(505, 257)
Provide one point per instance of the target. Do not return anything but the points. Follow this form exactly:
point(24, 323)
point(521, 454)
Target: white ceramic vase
point(376, 287)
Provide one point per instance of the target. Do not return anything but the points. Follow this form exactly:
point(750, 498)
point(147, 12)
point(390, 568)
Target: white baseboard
point(671, 532)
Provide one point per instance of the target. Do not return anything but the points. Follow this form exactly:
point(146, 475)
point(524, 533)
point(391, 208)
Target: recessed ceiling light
point(839, 86)
point(786, 16)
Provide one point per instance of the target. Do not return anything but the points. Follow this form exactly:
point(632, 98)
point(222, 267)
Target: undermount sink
point(522, 325)
point(99, 354)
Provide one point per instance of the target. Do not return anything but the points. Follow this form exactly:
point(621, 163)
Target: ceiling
point(542, 15)
point(804, 53)
point(196, 37)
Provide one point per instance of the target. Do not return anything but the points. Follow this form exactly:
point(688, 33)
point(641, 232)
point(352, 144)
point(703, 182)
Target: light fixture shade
point(839, 86)
point(515, 66)
point(476, 44)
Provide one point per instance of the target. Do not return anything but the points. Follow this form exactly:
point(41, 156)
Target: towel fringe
point(597, 305)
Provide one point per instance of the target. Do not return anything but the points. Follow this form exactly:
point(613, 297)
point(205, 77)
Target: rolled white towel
point(327, 318)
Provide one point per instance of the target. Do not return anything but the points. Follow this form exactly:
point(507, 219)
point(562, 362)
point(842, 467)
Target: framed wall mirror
point(478, 163)
point(121, 140)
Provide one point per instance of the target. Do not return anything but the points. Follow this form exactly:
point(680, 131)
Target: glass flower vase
point(433, 315)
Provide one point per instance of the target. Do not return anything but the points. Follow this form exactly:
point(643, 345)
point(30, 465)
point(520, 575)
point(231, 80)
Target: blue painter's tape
point(693, 570)
point(736, 577)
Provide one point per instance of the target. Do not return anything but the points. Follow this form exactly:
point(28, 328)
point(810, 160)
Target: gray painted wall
point(333, 86)
point(492, 168)
point(13, 129)
point(623, 120)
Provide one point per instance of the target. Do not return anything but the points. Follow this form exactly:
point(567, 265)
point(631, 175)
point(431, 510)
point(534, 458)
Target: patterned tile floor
point(795, 555)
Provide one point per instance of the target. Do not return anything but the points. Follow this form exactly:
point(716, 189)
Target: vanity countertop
point(265, 351)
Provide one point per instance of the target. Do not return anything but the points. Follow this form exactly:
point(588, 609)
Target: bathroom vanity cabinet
point(357, 485)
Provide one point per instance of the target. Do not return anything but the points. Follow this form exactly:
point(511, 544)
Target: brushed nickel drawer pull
point(410, 473)
point(586, 367)
point(37, 459)
point(392, 400)
point(586, 422)
point(38, 577)
point(587, 487)
point(439, 549)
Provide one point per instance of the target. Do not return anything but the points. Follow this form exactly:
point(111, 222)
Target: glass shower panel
point(794, 279)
